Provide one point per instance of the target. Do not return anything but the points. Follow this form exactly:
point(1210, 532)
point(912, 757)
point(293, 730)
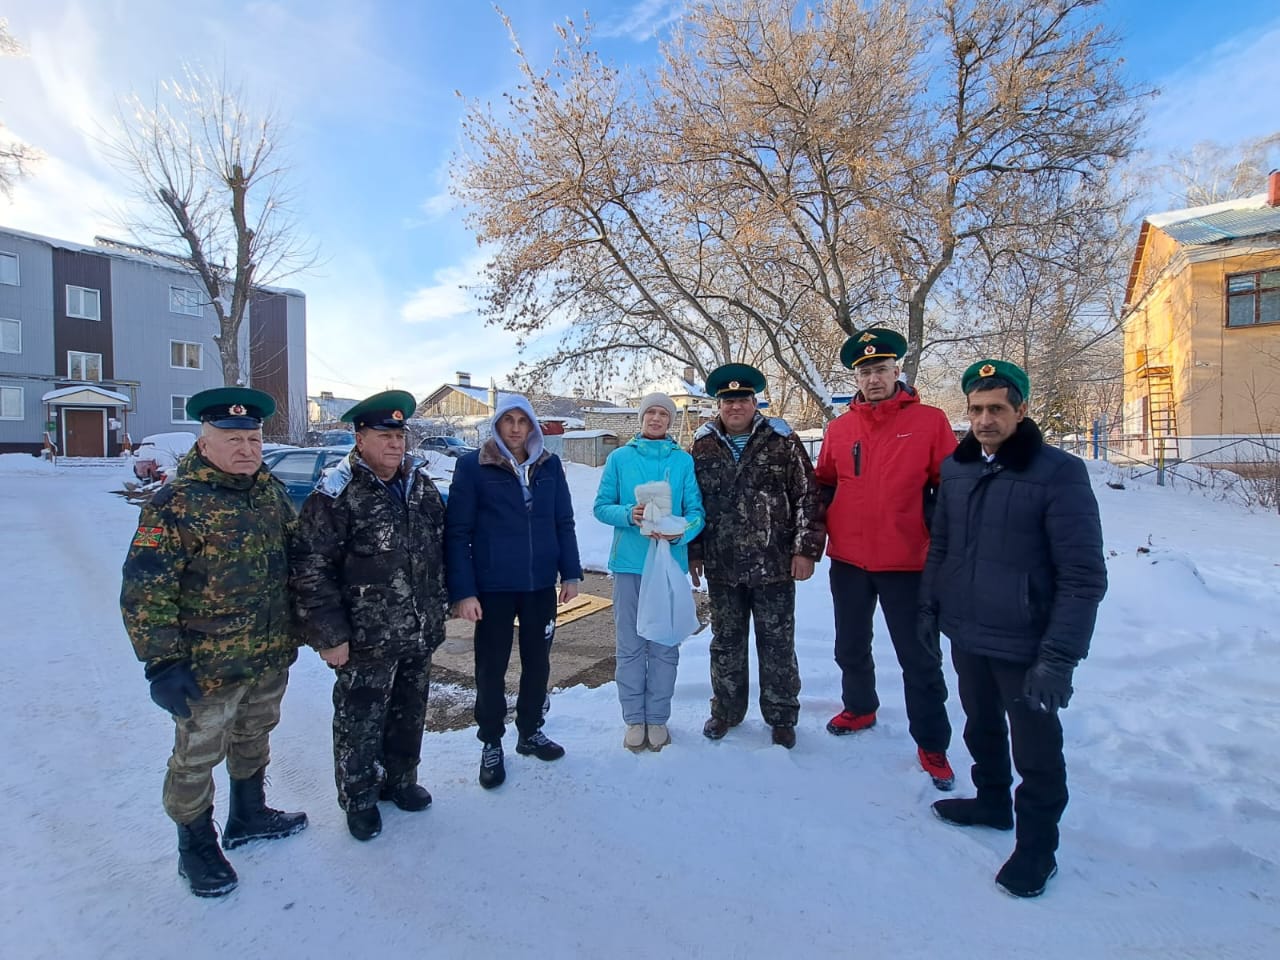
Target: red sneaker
point(936, 766)
point(846, 722)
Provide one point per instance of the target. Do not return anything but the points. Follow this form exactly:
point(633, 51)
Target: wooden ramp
point(583, 605)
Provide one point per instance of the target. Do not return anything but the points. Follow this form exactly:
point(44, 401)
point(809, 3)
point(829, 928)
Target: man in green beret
point(204, 599)
point(762, 534)
point(878, 470)
point(368, 582)
point(1014, 577)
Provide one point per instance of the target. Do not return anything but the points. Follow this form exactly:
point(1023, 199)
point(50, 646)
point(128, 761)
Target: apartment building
point(104, 344)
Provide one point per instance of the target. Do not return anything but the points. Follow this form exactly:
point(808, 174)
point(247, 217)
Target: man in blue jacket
point(509, 534)
point(1014, 577)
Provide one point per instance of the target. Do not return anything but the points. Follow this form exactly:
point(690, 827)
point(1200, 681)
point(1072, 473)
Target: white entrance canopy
point(85, 395)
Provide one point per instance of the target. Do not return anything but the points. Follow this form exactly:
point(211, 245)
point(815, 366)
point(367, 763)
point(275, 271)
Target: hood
point(902, 397)
point(513, 401)
point(649, 447)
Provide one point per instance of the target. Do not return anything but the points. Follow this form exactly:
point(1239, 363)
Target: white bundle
point(655, 496)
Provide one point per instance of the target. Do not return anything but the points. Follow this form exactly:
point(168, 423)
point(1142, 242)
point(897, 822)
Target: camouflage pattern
point(368, 570)
point(379, 709)
point(206, 576)
point(761, 510)
point(367, 566)
point(234, 722)
point(772, 607)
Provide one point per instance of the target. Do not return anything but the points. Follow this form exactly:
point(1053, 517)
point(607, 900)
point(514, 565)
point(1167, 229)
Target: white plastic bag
point(665, 612)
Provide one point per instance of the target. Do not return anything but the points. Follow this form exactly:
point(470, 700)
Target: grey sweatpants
point(646, 672)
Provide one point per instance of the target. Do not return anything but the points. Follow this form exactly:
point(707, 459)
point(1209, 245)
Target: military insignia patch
point(734, 385)
point(397, 415)
point(987, 370)
point(866, 336)
point(870, 349)
point(237, 410)
point(148, 536)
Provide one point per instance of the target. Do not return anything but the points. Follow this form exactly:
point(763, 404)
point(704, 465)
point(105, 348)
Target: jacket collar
point(902, 397)
point(195, 467)
point(492, 455)
point(1016, 453)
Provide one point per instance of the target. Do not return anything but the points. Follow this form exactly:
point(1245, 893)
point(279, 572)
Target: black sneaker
point(1025, 874)
point(492, 770)
point(407, 796)
point(539, 745)
point(364, 824)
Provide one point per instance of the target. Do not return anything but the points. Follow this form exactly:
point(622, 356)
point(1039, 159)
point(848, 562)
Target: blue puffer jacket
point(1015, 556)
point(642, 460)
point(497, 539)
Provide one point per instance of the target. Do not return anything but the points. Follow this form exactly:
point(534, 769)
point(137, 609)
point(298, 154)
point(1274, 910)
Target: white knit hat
point(657, 400)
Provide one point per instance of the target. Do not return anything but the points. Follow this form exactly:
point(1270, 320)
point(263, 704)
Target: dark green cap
point(873, 343)
point(231, 408)
point(1010, 373)
point(383, 411)
point(735, 380)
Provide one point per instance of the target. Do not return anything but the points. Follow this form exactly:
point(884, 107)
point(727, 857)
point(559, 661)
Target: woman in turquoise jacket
point(646, 671)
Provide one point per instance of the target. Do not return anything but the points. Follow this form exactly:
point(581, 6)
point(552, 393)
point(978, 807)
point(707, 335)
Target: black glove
point(172, 685)
point(1047, 685)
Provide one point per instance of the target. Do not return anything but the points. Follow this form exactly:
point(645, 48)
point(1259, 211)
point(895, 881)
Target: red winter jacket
point(883, 461)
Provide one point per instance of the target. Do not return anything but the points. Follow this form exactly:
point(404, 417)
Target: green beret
point(874, 343)
point(383, 411)
point(1010, 373)
point(231, 408)
point(735, 380)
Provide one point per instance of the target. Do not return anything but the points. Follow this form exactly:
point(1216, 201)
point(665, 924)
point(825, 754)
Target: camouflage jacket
point(206, 577)
point(761, 510)
point(367, 566)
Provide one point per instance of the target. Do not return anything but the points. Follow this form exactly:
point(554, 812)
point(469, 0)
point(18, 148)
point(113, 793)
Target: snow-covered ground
point(1170, 845)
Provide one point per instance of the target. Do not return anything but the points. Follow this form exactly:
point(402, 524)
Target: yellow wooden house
point(1202, 333)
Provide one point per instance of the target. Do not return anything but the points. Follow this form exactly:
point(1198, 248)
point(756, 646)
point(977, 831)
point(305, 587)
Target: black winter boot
point(970, 812)
point(200, 861)
point(252, 819)
point(1026, 873)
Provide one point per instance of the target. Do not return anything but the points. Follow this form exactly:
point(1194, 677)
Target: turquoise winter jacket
point(641, 460)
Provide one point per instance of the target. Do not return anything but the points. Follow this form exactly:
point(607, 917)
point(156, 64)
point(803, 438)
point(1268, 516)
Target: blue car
point(298, 468)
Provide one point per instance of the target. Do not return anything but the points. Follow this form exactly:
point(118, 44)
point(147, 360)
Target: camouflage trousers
point(379, 710)
point(772, 606)
point(232, 722)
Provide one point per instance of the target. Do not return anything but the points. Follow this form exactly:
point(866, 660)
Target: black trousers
point(537, 612)
point(990, 692)
point(854, 592)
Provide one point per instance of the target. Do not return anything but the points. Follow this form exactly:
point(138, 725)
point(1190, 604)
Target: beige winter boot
point(659, 737)
point(634, 739)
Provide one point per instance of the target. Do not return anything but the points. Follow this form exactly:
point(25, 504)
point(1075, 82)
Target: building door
point(84, 433)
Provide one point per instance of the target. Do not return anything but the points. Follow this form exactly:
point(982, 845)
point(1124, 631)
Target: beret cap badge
point(987, 370)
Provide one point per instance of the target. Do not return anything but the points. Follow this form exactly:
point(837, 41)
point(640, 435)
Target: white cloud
point(643, 20)
point(1226, 94)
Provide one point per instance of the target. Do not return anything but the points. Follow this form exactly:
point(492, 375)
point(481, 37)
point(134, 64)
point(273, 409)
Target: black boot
point(200, 861)
point(364, 824)
point(407, 796)
point(973, 813)
point(1026, 872)
point(252, 819)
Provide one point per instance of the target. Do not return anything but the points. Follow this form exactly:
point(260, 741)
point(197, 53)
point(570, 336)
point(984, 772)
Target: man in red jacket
point(879, 467)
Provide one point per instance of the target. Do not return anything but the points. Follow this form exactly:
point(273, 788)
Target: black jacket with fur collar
point(1015, 559)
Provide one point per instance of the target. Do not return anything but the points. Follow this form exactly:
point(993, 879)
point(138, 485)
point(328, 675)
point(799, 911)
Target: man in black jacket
point(369, 590)
point(1014, 577)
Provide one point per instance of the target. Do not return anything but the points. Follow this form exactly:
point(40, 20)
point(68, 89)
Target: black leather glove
point(1047, 685)
point(172, 685)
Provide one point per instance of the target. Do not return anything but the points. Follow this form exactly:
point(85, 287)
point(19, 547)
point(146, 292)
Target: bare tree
point(1211, 172)
point(15, 156)
point(211, 188)
point(794, 172)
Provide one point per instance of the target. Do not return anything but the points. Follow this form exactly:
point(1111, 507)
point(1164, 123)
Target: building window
point(182, 300)
point(10, 403)
point(83, 303)
point(185, 356)
point(9, 269)
point(10, 336)
point(84, 366)
point(1253, 298)
point(178, 410)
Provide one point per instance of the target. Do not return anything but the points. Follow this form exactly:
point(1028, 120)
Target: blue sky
point(369, 90)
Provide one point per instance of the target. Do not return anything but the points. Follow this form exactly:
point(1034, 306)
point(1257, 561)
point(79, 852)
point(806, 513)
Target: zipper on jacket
point(857, 458)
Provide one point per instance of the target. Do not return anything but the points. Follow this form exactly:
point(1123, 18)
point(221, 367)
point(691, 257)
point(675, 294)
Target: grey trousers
point(646, 671)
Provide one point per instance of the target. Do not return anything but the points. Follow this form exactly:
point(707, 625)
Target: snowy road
point(1171, 845)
